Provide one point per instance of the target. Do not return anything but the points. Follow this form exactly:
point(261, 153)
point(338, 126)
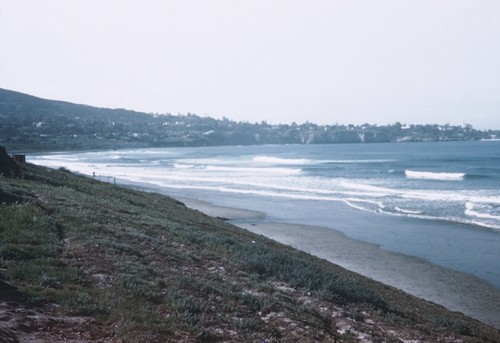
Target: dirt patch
point(21, 323)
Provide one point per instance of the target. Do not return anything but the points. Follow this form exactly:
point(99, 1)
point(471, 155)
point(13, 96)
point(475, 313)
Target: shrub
point(83, 303)
point(454, 324)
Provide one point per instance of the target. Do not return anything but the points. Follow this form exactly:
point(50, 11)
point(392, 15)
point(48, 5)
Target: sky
point(280, 61)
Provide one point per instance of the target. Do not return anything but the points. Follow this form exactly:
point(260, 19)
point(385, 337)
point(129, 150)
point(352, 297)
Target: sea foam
point(282, 171)
point(472, 211)
point(412, 174)
point(279, 160)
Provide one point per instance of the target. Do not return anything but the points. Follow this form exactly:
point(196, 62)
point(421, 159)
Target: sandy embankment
point(455, 290)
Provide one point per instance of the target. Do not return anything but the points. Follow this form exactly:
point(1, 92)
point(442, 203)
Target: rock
point(8, 167)
point(7, 291)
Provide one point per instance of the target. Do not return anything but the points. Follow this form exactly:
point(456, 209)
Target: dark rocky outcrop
point(8, 168)
point(7, 291)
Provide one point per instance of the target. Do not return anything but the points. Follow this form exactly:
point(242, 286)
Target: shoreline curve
point(455, 290)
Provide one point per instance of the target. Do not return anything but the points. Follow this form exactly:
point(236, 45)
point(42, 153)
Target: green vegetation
point(30, 123)
point(141, 267)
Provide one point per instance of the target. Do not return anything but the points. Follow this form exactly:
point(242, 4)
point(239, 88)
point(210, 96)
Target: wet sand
point(455, 290)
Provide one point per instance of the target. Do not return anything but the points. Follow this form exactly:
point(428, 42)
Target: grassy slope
point(93, 261)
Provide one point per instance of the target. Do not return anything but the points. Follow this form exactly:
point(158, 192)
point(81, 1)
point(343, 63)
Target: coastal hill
point(87, 261)
point(28, 123)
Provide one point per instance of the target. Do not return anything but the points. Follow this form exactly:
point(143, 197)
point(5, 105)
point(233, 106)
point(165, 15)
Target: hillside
point(29, 123)
point(86, 261)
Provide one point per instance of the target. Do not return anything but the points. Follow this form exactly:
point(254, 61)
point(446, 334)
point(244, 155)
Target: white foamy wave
point(364, 204)
point(304, 161)
point(407, 211)
point(55, 158)
point(282, 171)
point(358, 161)
point(480, 217)
point(426, 195)
point(264, 193)
point(183, 166)
point(377, 191)
point(279, 160)
point(369, 189)
point(412, 174)
point(82, 168)
point(207, 161)
point(487, 199)
point(472, 211)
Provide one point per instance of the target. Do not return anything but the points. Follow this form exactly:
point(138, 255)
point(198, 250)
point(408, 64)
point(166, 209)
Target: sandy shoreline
point(455, 290)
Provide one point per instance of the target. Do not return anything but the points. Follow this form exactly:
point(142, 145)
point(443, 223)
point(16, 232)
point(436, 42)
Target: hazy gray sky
point(345, 61)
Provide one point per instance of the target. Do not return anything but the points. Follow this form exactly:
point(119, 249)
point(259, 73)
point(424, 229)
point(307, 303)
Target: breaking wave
point(279, 160)
point(282, 171)
point(422, 175)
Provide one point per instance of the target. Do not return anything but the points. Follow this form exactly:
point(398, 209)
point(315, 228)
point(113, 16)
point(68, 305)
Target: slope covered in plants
point(85, 261)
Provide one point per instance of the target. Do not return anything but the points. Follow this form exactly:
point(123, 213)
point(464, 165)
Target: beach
point(421, 217)
point(452, 289)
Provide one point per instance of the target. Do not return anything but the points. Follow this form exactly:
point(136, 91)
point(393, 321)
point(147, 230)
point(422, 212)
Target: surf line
point(412, 174)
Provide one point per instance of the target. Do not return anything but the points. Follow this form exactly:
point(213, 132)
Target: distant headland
point(29, 123)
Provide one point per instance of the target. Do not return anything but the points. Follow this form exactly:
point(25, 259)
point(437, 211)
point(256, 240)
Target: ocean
point(438, 201)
